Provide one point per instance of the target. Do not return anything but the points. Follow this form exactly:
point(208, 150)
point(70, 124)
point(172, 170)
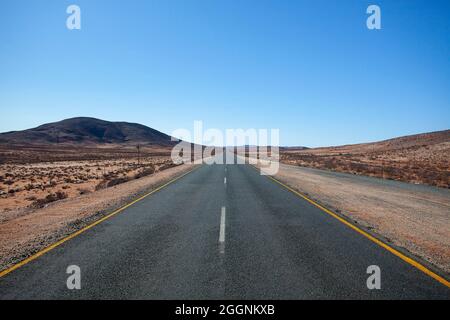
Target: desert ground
point(421, 159)
point(34, 185)
point(32, 177)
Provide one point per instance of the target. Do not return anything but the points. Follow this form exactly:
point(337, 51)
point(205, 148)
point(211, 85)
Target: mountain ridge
point(87, 131)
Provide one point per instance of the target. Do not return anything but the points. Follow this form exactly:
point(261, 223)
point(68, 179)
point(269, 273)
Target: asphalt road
point(204, 237)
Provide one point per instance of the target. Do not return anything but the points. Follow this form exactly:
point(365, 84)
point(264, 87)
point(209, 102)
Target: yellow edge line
point(73, 235)
point(367, 235)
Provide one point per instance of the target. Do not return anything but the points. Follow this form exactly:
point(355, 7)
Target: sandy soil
point(417, 159)
point(25, 154)
point(27, 185)
point(414, 217)
point(24, 232)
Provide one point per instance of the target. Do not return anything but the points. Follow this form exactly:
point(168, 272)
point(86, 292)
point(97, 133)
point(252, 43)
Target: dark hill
point(87, 131)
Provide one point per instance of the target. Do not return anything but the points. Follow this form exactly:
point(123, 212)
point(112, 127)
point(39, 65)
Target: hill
point(419, 158)
point(400, 143)
point(87, 132)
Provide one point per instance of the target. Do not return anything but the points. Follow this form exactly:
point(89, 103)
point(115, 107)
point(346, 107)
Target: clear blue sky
point(310, 68)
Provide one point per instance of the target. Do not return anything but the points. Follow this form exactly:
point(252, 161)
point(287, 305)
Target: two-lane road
point(220, 232)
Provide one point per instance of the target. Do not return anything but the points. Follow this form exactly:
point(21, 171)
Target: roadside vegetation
point(35, 185)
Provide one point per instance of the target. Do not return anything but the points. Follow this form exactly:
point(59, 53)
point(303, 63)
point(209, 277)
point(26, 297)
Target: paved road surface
point(274, 245)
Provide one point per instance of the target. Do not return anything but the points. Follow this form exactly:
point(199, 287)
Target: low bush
point(144, 173)
point(83, 191)
point(116, 181)
point(167, 166)
point(52, 197)
point(111, 183)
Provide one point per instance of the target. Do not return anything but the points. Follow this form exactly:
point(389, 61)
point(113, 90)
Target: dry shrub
point(101, 185)
point(116, 181)
point(29, 187)
point(51, 184)
point(144, 173)
point(167, 165)
point(83, 191)
point(52, 197)
point(110, 183)
point(69, 180)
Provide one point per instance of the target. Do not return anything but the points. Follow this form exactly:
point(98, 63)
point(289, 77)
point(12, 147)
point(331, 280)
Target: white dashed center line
point(222, 231)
